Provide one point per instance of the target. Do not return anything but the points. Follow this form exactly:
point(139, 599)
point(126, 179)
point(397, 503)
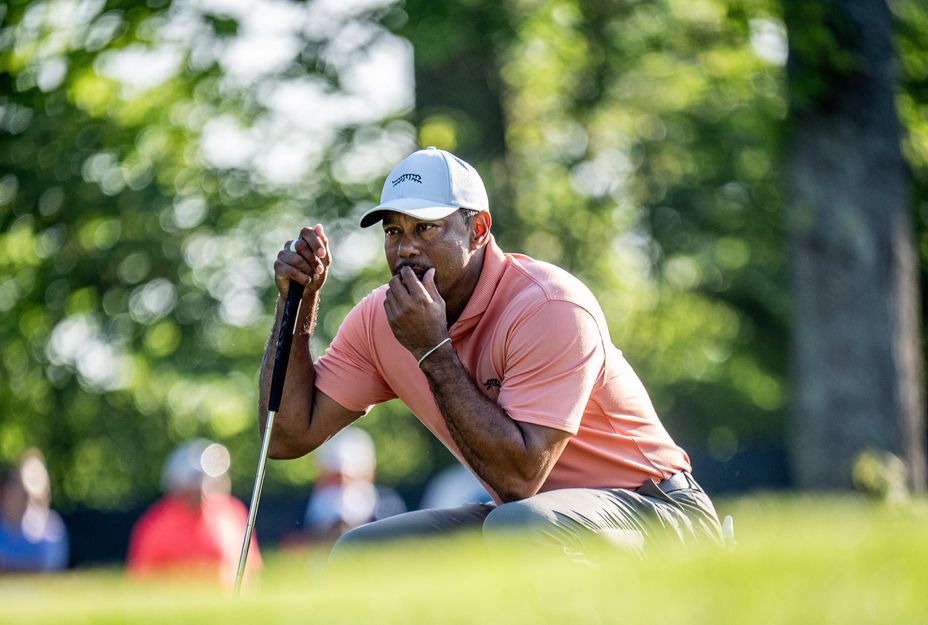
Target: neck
point(455, 304)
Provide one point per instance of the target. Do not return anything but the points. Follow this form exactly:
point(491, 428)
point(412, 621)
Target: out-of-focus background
point(743, 185)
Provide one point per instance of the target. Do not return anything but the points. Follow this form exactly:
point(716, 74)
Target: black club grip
point(284, 341)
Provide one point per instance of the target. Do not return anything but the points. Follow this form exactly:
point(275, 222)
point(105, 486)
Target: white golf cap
point(429, 184)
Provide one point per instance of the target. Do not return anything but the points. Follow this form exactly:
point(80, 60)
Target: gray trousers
point(571, 520)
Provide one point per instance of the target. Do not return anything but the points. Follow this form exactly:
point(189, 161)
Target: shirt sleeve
point(347, 371)
point(554, 357)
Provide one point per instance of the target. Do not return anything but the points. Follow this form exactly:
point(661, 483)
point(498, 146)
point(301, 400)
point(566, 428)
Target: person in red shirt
point(197, 527)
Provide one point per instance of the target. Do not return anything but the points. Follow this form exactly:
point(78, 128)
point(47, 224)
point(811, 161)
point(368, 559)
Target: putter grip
point(284, 341)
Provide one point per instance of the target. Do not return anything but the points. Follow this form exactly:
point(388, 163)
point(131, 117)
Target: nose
point(407, 247)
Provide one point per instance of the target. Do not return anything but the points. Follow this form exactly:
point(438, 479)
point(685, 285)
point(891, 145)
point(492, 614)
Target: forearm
point(292, 423)
point(498, 448)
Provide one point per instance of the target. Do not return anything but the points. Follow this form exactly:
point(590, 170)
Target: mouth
point(419, 270)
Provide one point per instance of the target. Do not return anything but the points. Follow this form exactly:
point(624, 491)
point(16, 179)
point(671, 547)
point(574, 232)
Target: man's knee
point(517, 516)
point(361, 535)
point(534, 521)
point(415, 525)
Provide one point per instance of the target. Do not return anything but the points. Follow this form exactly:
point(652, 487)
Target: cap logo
point(405, 177)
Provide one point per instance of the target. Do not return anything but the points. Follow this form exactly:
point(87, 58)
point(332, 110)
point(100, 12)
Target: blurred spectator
point(197, 527)
point(453, 487)
point(344, 495)
point(32, 535)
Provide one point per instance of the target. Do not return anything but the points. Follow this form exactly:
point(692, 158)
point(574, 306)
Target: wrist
point(430, 352)
point(305, 315)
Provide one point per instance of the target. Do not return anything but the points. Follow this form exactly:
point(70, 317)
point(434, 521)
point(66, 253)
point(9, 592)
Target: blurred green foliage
point(154, 157)
point(646, 161)
point(150, 172)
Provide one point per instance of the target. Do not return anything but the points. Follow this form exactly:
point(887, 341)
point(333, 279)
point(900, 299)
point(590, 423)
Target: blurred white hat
point(194, 462)
point(350, 452)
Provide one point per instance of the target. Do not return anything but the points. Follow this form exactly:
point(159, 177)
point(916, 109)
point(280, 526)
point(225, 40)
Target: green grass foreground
point(798, 560)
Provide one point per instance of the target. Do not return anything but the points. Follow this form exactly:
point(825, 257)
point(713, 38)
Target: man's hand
point(305, 260)
point(307, 417)
point(416, 311)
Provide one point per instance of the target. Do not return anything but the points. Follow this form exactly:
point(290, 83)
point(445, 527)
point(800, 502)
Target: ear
point(480, 230)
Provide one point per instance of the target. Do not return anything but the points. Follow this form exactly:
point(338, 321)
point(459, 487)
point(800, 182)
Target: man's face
point(444, 244)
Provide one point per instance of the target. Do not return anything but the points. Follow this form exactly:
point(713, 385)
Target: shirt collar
point(494, 264)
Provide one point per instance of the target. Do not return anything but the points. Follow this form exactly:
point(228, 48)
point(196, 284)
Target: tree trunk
point(856, 348)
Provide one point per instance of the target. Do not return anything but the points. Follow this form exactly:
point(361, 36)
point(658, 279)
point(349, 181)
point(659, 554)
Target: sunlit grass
point(799, 560)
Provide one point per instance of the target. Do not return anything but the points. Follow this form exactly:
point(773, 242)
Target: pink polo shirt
point(535, 340)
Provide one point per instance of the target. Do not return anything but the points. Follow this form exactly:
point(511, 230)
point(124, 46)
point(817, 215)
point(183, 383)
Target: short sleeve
point(554, 357)
point(347, 371)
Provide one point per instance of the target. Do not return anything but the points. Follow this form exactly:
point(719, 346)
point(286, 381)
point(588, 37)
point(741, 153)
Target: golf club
point(281, 358)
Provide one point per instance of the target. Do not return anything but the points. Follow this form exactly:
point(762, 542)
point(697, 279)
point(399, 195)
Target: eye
point(424, 227)
point(391, 231)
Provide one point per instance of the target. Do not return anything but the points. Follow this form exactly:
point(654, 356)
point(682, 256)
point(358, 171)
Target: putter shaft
point(279, 374)
point(255, 500)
